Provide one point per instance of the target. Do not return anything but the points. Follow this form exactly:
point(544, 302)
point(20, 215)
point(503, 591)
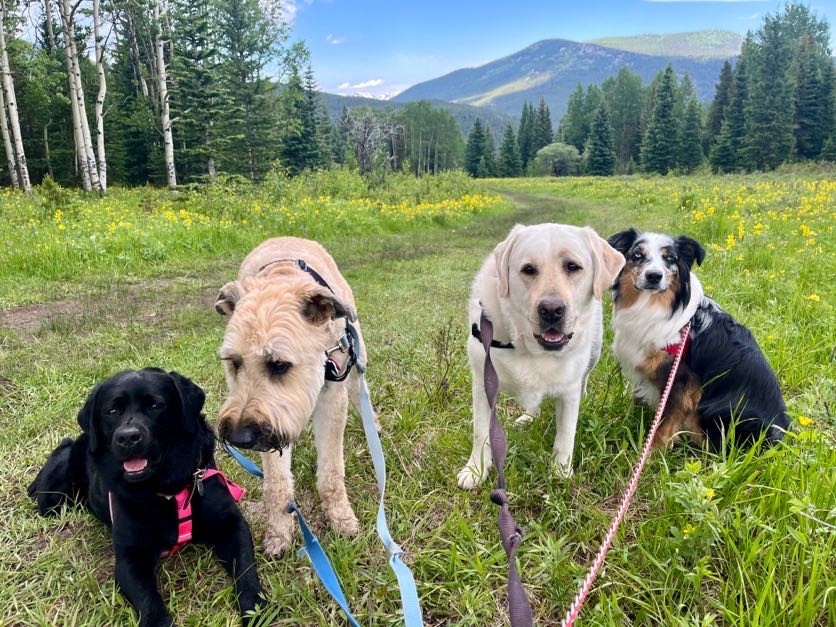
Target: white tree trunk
point(160, 10)
point(100, 139)
point(7, 142)
point(11, 105)
point(69, 46)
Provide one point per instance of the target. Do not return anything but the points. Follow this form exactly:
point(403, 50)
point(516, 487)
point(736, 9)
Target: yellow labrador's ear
point(228, 295)
point(607, 261)
point(502, 258)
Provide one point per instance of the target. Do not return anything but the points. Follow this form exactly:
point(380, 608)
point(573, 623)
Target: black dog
point(144, 441)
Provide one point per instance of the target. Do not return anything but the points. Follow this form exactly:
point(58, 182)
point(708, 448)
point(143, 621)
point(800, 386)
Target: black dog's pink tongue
point(135, 465)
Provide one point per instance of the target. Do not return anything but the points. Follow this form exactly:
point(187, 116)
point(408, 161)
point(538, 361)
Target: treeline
point(172, 91)
point(776, 105)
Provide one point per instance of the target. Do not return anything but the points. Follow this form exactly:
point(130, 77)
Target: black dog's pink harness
point(184, 505)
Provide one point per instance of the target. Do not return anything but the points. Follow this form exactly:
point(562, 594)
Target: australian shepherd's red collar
point(724, 377)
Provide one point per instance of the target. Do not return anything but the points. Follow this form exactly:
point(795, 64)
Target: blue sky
point(380, 47)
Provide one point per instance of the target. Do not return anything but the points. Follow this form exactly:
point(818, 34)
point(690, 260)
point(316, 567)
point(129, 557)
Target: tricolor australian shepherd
point(724, 384)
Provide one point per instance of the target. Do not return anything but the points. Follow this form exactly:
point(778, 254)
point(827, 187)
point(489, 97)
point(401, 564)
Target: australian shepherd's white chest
point(724, 384)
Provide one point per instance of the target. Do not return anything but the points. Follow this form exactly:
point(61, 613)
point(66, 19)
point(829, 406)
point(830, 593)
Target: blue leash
point(313, 549)
point(406, 582)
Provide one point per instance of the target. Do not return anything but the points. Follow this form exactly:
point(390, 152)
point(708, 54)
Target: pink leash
point(575, 608)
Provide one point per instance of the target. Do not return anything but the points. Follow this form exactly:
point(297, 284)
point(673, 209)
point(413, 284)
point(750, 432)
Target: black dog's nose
point(127, 436)
point(653, 278)
point(551, 309)
point(243, 436)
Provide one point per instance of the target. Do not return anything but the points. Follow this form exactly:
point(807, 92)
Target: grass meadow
point(91, 286)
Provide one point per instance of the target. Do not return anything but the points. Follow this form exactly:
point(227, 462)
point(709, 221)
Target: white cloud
point(375, 82)
point(288, 11)
point(334, 39)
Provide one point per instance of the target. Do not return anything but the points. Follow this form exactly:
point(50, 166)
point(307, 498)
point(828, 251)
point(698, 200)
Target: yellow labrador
point(541, 288)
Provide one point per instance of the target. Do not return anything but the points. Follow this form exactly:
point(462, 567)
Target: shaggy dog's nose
point(653, 278)
point(551, 310)
point(243, 436)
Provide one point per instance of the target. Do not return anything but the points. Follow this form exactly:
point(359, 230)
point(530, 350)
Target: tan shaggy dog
point(285, 319)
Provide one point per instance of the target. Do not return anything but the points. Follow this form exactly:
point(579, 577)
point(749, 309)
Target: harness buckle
point(198, 481)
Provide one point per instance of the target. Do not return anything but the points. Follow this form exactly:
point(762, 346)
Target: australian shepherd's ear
point(624, 240)
point(689, 250)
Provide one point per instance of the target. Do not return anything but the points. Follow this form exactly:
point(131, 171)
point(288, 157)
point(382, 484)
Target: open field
point(742, 538)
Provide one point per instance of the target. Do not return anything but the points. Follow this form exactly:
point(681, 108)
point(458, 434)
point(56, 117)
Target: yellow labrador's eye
point(529, 270)
point(572, 267)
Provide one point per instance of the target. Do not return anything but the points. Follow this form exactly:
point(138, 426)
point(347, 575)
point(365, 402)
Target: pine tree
point(623, 95)
point(599, 154)
point(525, 135)
point(690, 154)
point(769, 109)
point(723, 157)
point(658, 150)
point(509, 155)
point(722, 96)
point(810, 102)
point(249, 42)
point(735, 117)
point(475, 150)
point(573, 127)
point(543, 133)
point(198, 94)
point(487, 163)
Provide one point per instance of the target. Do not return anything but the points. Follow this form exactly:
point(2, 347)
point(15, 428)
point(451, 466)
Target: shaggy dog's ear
point(502, 258)
point(607, 262)
point(624, 240)
point(88, 420)
point(228, 295)
point(192, 398)
point(320, 305)
point(689, 250)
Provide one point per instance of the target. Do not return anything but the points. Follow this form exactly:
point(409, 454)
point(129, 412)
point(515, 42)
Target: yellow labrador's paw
point(523, 419)
point(563, 469)
point(470, 476)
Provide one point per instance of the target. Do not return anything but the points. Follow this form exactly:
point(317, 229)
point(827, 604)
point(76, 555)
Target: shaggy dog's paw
point(344, 521)
point(470, 477)
point(276, 543)
point(523, 419)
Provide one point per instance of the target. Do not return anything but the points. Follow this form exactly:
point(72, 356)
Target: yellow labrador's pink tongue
point(135, 465)
point(552, 335)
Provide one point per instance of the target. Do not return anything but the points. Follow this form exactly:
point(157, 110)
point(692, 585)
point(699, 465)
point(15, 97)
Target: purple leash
point(519, 608)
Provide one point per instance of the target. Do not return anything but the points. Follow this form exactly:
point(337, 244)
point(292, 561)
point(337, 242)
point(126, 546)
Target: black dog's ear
point(624, 240)
point(689, 250)
point(192, 398)
point(89, 422)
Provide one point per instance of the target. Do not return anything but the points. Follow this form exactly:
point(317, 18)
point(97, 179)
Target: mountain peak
point(552, 68)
